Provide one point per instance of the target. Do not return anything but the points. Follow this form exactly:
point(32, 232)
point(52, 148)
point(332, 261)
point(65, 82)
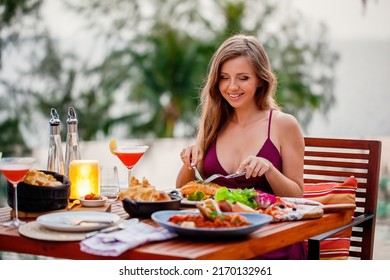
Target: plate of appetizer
point(210, 222)
point(187, 202)
point(196, 192)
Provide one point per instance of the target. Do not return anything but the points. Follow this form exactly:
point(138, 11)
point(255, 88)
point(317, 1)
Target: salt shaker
point(55, 160)
point(72, 151)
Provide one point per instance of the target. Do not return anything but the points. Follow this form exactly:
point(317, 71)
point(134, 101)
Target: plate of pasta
point(195, 225)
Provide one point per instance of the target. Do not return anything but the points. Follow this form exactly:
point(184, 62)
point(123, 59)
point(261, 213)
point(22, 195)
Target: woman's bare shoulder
point(284, 120)
point(287, 134)
point(286, 128)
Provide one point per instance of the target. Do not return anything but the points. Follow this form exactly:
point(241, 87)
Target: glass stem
point(129, 177)
point(16, 220)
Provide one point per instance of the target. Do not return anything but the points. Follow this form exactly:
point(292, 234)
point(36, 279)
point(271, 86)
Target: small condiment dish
point(93, 202)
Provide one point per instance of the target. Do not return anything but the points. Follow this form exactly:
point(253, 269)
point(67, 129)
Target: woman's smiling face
point(238, 81)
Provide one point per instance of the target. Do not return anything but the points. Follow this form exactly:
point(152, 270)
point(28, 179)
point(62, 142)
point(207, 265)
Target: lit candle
point(84, 178)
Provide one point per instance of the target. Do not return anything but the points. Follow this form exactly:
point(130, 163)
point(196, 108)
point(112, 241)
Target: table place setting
point(41, 231)
point(78, 221)
point(34, 230)
point(68, 226)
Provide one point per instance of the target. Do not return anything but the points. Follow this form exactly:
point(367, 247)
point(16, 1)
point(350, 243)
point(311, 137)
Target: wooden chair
point(334, 160)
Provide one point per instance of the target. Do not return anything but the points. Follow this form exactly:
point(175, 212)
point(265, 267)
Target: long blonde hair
point(214, 109)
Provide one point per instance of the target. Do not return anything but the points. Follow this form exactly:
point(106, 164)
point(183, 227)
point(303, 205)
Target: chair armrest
point(314, 242)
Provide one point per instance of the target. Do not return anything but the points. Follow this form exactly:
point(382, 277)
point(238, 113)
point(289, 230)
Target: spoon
point(74, 203)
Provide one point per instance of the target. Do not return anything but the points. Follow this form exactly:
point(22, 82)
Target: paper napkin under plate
point(115, 243)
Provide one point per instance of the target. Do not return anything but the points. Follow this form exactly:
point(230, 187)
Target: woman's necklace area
point(244, 123)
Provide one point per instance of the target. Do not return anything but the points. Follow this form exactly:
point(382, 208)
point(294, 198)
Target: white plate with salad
point(187, 202)
point(196, 197)
point(248, 196)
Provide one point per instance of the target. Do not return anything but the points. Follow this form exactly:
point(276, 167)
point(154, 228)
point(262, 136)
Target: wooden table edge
point(179, 248)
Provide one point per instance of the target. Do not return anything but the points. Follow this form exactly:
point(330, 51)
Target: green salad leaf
point(223, 193)
point(245, 196)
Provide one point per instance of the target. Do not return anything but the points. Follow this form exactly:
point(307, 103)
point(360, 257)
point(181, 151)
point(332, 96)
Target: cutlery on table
point(86, 222)
point(117, 227)
point(82, 221)
point(230, 176)
point(303, 201)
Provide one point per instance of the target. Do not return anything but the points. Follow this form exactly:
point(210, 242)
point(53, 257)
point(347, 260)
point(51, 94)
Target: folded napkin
point(115, 243)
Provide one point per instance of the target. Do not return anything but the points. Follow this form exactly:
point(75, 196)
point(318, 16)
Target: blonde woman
point(241, 128)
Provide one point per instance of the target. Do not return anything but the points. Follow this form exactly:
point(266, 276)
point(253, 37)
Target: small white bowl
point(93, 202)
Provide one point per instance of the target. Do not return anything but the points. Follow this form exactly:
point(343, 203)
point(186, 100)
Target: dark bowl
point(33, 198)
point(142, 209)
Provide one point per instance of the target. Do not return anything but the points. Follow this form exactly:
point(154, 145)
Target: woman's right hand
point(190, 155)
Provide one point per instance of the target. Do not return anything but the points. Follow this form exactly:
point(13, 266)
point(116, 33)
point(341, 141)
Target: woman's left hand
point(254, 166)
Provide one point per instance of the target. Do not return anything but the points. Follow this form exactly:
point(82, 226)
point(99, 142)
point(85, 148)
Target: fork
point(197, 174)
point(230, 176)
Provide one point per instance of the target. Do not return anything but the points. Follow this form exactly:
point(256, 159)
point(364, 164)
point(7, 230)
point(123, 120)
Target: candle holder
point(84, 176)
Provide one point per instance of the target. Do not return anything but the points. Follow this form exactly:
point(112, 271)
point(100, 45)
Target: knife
point(303, 201)
point(120, 226)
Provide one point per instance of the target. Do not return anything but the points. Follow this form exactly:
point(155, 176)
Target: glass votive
point(84, 176)
point(109, 183)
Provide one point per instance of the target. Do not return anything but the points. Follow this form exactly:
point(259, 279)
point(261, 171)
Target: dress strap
point(269, 123)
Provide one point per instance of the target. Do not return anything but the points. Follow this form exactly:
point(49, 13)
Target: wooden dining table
point(268, 238)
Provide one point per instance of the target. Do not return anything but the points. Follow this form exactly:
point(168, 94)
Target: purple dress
point(211, 165)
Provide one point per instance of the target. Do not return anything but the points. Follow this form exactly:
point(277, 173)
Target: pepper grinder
point(55, 161)
point(72, 140)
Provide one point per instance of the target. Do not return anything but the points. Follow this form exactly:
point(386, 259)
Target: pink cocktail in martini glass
point(14, 169)
point(129, 155)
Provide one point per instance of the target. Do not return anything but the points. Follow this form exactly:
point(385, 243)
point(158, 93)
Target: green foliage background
point(156, 54)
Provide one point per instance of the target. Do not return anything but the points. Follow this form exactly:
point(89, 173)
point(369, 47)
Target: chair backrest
point(334, 160)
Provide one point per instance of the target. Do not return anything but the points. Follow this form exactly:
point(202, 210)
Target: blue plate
point(256, 221)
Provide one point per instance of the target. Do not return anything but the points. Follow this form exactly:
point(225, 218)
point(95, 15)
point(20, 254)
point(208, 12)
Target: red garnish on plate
point(92, 196)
